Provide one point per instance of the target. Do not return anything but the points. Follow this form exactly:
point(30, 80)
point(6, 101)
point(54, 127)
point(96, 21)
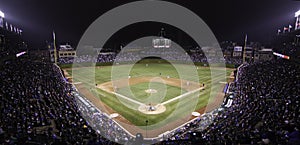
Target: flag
point(285, 29)
point(278, 31)
point(290, 26)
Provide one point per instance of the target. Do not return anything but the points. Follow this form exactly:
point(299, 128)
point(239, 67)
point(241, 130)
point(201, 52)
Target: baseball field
point(152, 91)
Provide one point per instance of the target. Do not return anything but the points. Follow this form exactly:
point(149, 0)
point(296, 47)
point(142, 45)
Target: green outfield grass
point(103, 74)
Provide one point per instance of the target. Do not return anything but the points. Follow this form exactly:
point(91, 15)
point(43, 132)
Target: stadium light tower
point(2, 15)
point(297, 15)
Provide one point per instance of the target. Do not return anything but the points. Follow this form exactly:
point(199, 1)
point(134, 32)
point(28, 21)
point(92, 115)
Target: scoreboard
point(161, 43)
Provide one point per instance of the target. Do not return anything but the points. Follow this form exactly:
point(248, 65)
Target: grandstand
point(265, 107)
point(39, 105)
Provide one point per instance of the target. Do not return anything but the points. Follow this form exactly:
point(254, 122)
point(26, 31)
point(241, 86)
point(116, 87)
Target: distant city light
point(2, 14)
point(297, 13)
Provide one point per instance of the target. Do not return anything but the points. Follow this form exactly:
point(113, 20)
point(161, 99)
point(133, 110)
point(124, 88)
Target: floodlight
point(297, 13)
point(2, 14)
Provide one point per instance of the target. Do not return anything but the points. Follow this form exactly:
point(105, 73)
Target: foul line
point(181, 96)
point(127, 98)
point(166, 102)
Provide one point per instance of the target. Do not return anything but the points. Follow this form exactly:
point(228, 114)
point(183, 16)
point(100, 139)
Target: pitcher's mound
point(152, 109)
point(151, 91)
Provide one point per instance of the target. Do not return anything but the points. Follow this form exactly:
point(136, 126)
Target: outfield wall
point(144, 61)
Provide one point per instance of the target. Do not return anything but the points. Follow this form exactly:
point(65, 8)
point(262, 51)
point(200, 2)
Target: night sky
point(228, 19)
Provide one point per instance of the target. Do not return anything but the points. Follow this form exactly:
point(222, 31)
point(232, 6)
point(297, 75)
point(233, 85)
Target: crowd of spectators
point(101, 122)
point(37, 107)
point(165, 53)
point(265, 108)
point(88, 58)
